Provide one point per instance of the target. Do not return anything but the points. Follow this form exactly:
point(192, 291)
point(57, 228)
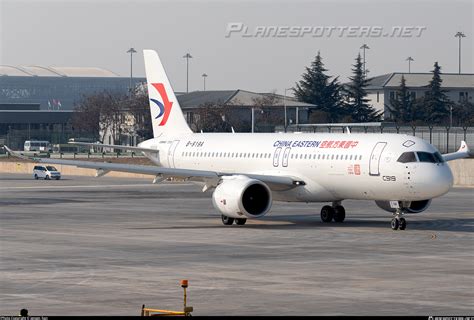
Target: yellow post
point(184, 285)
point(186, 310)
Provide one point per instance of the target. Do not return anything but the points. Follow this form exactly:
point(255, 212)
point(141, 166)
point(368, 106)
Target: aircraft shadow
point(450, 225)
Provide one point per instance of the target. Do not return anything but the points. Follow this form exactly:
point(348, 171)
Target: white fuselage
point(334, 167)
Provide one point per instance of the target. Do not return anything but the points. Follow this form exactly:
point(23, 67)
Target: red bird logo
point(165, 107)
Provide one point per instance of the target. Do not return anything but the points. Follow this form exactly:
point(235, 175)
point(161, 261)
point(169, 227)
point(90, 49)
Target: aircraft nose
point(441, 179)
point(433, 180)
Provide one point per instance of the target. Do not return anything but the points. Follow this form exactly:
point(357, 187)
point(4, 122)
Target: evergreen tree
point(317, 88)
point(463, 113)
point(401, 107)
point(358, 105)
point(436, 104)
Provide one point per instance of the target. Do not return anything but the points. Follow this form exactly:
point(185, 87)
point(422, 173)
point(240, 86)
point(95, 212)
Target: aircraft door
point(276, 157)
point(286, 155)
point(374, 162)
point(171, 151)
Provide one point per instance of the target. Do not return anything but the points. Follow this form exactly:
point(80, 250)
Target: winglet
point(463, 152)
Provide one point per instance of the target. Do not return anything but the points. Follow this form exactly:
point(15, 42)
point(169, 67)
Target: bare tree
point(139, 109)
point(211, 117)
point(97, 114)
point(266, 112)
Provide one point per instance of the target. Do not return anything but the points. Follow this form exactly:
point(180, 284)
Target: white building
point(381, 89)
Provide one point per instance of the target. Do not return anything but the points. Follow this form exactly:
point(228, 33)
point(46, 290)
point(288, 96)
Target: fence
point(446, 139)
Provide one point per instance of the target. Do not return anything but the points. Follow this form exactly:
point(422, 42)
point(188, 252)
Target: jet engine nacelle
point(413, 207)
point(242, 197)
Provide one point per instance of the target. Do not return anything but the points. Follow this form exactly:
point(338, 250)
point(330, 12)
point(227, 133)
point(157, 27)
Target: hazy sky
point(98, 33)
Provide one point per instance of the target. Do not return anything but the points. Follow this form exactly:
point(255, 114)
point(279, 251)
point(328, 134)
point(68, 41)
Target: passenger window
point(407, 157)
point(426, 157)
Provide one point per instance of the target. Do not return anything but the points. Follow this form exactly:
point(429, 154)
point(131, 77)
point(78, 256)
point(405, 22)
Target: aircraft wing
point(463, 152)
point(211, 178)
point(113, 146)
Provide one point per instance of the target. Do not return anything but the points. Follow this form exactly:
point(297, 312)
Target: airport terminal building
point(36, 102)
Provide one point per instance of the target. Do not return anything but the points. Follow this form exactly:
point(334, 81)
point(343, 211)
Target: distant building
point(383, 88)
point(241, 102)
point(57, 88)
point(36, 102)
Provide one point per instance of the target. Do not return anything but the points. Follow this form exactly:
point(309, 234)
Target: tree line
point(349, 103)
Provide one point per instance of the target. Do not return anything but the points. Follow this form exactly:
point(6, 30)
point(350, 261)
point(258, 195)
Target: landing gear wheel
point(339, 213)
point(327, 213)
point(395, 224)
point(228, 221)
point(241, 221)
point(403, 224)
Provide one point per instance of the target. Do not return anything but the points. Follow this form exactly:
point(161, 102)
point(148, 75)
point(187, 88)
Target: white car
point(46, 172)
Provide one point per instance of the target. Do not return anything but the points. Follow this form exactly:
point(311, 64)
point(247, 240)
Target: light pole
point(363, 47)
point(460, 35)
point(187, 56)
point(450, 115)
point(284, 105)
point(409, 59)
point(204, 76)
point(131, 51)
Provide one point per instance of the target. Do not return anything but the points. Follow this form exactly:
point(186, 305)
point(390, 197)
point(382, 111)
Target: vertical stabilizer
point(166, 114)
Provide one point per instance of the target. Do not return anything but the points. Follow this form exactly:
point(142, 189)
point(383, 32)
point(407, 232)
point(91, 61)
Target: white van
point(46, 172)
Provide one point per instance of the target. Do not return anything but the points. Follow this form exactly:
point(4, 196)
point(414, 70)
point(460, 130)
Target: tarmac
point(88, 246)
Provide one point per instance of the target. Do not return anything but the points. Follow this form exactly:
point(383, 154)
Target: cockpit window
point(426, 157)
point(438, 157)
point(407, 157)
point(430, 157)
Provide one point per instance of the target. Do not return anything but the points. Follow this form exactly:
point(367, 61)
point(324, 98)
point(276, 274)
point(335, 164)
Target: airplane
point(249, 171)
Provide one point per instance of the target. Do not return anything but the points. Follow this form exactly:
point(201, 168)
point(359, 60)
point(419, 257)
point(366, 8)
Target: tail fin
point(166, 115)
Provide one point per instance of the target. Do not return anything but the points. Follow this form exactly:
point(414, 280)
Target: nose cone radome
point(441, 180)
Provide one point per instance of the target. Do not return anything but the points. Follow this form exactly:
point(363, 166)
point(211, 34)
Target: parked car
point(46, 172)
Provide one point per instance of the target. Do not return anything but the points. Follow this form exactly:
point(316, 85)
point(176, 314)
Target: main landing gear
point(228, 221)
point(398, 222)
point(335, 212)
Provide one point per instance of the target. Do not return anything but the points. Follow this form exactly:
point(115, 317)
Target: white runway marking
point(92, 186)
